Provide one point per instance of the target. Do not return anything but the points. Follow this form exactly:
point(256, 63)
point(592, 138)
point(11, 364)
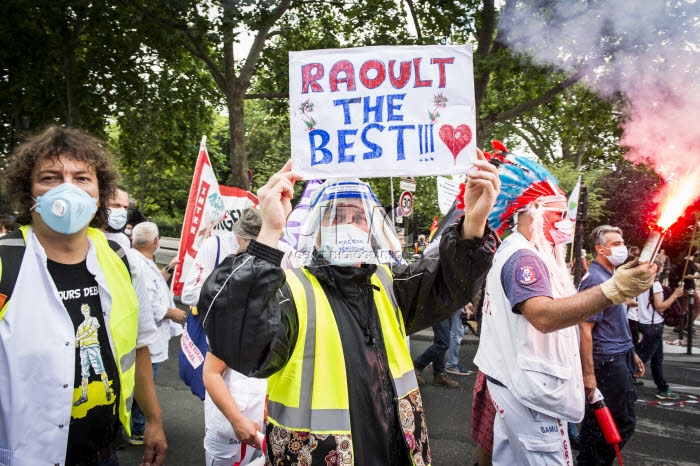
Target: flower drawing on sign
point(306, 108)
point(439, 101)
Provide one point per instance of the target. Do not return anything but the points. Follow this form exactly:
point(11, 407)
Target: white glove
point(629, 281)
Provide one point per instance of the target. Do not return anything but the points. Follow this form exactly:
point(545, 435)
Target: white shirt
point(119, 237)
point(542, 371)
point(37, 361)
point(204, 265)
point(633, 312)
point(146, 324)
point(646, 308)
point(158, 301)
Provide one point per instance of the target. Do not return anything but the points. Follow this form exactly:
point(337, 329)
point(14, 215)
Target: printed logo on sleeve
point(527, 275)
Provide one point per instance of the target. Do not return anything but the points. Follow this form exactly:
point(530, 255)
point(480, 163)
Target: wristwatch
point(168, 269)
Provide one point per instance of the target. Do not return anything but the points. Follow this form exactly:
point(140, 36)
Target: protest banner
point(382, 111)
point(236, 200)
point(211, 209)
point(447, 190)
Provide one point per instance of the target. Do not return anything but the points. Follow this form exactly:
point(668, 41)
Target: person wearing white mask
point(116, 220)
point(73, 350)
point(528, 348)
point(608, 357)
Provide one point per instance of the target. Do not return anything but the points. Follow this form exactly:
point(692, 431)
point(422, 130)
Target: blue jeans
point(456, 334)
point(651, 348)
point(436, 352)
point(138, 419)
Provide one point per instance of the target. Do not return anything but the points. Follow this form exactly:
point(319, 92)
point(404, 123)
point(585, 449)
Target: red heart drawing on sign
point(456, 139)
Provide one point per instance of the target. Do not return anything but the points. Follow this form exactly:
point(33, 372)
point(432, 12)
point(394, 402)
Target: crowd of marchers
point(305, 355)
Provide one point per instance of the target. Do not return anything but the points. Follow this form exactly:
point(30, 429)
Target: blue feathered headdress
point(522, 181)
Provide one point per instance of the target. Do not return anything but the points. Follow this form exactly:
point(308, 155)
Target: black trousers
point(614, 379)
point(634, 328)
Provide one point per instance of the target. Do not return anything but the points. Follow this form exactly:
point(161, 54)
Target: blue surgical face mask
point(117, 218)
point(66, 209)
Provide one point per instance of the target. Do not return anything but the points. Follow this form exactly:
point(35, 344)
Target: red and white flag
point(211, 210)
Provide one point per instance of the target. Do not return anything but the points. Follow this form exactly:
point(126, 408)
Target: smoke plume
point(647, 51)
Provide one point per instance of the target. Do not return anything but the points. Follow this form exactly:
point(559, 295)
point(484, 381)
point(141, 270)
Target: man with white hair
point(529, 346)
point(159, 305)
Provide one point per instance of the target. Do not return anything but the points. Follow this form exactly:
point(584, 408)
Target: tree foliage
point(158, 135)
point(154, 75)
point(187, 26)
point(62, 62)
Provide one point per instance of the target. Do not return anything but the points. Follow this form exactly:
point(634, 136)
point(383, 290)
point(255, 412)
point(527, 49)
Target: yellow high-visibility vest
point(123, 320)
point(310, 393)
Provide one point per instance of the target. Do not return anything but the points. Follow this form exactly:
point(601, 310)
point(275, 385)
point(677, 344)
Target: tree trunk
point(416, 23)
point(236, 128)
point(69, 40)
point(482, 75)
point(235, 86)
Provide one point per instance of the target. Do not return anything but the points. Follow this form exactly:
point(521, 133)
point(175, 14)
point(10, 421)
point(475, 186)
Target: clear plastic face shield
point(347, 226)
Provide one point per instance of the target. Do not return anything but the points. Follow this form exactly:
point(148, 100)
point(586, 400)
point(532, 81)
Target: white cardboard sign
point(447, 191)
point(382, 111)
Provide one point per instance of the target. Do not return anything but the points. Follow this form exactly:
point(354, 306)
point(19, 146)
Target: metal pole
point(581, 215)
point(691, 303)
point(685, 269)
point(393, 208)
point(690, 247)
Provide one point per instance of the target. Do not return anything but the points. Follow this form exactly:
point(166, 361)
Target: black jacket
point(250, 318)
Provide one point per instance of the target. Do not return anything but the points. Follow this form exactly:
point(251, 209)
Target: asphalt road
point(665, 434)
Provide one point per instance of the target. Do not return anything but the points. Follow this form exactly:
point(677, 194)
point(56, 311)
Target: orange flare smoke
point(678, 196)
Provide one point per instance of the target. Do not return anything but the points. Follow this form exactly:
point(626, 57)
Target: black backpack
point(673, 317)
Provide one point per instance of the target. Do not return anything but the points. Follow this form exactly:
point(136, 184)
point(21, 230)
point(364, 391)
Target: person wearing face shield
point(330, 336)
point(528, 347)
point(73, 346)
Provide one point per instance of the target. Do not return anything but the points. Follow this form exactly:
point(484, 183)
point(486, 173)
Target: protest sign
point(382, 111)
point(211, 209)
point(447, 190)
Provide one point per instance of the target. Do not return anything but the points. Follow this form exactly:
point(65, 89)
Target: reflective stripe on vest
point(310, 393)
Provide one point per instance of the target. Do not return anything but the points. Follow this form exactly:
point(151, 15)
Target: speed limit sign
point(406, 203)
